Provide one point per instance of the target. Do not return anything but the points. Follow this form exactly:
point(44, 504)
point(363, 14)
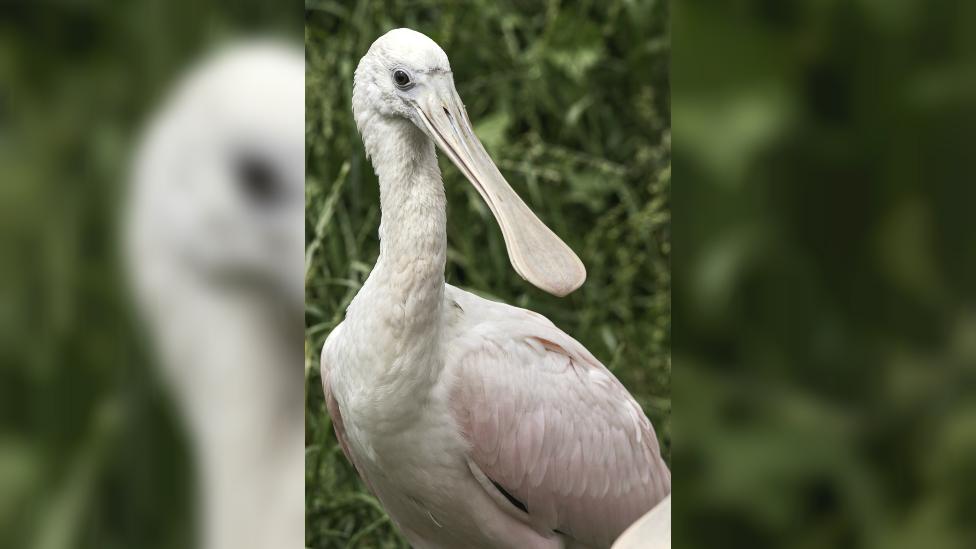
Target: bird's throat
point(408, 279)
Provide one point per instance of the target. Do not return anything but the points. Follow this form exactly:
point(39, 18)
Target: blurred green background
point(825, 325)
point(91, 455)
point(824, 267)
point(572, 101)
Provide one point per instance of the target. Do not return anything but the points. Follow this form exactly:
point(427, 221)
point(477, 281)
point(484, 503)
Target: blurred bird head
point(218, 193)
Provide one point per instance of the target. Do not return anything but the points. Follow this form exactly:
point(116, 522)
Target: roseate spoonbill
point(215, 243)
point(476, 424)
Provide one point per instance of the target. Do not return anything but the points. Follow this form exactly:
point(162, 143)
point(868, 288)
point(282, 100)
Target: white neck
point(397, 313)
point(406, 287)
point(231, 362)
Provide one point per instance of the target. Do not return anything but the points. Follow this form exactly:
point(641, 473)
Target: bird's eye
point(257, 179)
point(401, 78)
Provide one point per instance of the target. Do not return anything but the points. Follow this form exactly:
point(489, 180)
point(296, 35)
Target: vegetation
point(572, 101)
point(824, 274)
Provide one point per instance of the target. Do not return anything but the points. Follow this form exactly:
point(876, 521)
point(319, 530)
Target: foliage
point(572, 101)
point(824, 319)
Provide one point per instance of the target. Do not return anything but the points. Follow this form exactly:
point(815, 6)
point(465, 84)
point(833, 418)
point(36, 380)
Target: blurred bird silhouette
point(215, 242)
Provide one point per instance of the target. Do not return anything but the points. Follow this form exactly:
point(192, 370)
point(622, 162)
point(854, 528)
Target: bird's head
point(400, 68)
point(405, 76)
point(218, 192)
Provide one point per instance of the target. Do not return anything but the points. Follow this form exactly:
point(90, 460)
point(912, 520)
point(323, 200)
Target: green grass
point(572, 101)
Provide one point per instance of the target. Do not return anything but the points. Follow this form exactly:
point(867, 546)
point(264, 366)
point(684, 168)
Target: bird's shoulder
point(499, 340)
point(475, 323)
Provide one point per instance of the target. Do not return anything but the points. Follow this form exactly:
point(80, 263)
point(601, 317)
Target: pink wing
point(551, 426)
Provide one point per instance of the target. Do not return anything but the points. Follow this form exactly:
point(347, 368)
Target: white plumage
point(652, 531)
point(476, 424)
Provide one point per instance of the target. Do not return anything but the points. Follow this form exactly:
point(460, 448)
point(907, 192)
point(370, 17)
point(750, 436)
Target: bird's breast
point(414, 449)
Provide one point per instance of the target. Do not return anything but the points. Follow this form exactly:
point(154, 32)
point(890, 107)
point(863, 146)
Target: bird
point(214, 249)
point(652, 531)
point(475, 424)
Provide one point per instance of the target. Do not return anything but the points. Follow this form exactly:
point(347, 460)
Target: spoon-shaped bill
point(536, 253)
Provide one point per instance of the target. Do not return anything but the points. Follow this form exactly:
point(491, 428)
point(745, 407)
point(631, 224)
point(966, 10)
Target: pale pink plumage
point(545, 420)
